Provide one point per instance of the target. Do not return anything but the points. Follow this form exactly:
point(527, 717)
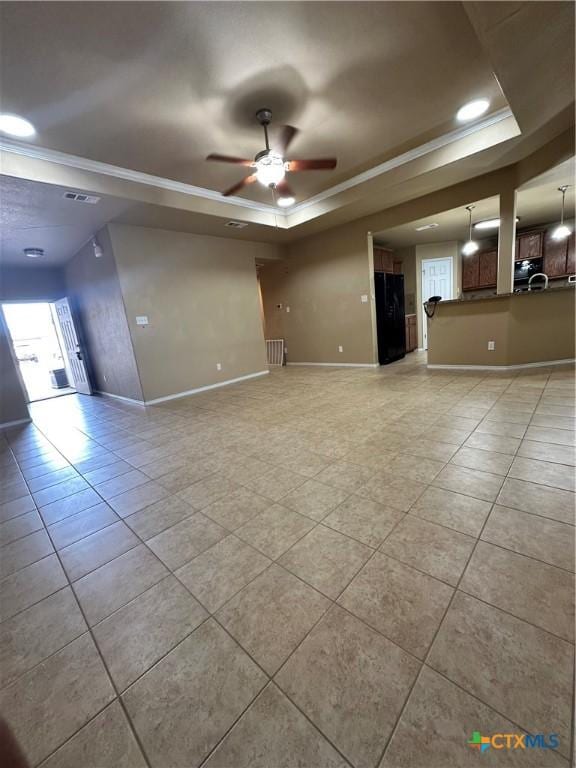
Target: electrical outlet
point(218, 366)
point(287, 309)
point(491, 346)
point(340, 349)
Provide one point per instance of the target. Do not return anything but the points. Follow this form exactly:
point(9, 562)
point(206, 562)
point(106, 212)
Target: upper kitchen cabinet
point(487, 268)
point(529, 245)
point(559, 256)
point(383, 260)
point(470, 272)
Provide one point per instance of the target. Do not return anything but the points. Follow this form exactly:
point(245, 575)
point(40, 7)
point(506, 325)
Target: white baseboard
point(120, 397)
point(543, 364)
point(8, 424)
point(341, 365)
point(206, 388)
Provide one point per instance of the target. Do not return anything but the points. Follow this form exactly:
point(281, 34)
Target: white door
point(75, 367)
point(436, 281)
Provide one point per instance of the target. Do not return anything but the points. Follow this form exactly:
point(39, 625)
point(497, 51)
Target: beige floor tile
point(405, 605)
point(132, 501)
point(436, 726)
point(556, 421)
point(71, 505)
point(483, 460)
point(50, 478)
point(450, 435)
point(369, 457)
point(78, 526)
point(113, 585)
point(520, 670)
point(207, 680)
point(20, 526)
point(560, 454)
point(544, 473)
point(531, 535)
point(498, 443)
point(539, 499)
point(417, 468)
point(471, 482)
point(221, 571)
point(107, 741)
point(236, 509)
point(345, 475)
point(60, 491)
point(16, 507)
point(532, 590)
point(453, 510)
point(23, 552)
point(29, 585)
point(430, 449)
point(275, 483)
point(159, 516)
point(434, 549)
point(183, 477)
point(351, 682)
point(314, 499)
point(502, 428)
point(69, 688)
point(107, 472)
point(272, 615)
point(274, 733)
point(551, 435)
point(95, 550)
point(207, 491)
point(326, 559)
point(136, 636)
point(122, 483)
point(399, 493)
point(364, 520)
point(183, 541)
point(38, 632)
point(275, 530)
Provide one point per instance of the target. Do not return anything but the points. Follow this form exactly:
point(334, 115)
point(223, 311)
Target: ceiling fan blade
point(285, 138)
point(284, 189)
point(324, 164)
point(247, 180)
point(228, 159)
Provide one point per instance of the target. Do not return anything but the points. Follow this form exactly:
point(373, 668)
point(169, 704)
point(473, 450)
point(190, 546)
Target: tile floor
point(322, 567)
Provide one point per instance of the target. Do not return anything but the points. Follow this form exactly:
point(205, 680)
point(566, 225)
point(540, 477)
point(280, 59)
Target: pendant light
point(562, 232)
point(471, 246)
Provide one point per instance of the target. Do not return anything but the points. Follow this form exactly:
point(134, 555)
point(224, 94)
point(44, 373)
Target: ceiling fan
point(270, 166)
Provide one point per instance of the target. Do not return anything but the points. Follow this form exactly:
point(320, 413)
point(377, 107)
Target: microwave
point(523, 270)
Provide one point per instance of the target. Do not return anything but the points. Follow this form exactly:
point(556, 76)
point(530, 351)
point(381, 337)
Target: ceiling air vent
point(80, 198)
point(427, 226)
point(236, 224)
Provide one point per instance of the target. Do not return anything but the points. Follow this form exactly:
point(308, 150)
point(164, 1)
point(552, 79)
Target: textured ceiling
point(156, 86)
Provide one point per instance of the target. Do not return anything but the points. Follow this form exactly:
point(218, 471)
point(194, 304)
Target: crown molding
point(138, 177)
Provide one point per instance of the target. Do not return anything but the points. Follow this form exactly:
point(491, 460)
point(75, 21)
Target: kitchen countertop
point(506, 295)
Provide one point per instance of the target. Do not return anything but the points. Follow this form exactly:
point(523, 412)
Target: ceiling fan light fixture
point(472, 110)
point(270, 169)
point(286, 202)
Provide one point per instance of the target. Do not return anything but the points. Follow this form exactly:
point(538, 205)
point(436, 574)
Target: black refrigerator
point(390, 322)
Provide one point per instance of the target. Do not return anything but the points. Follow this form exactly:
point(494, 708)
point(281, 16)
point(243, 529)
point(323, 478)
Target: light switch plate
point(142, 320)
point(364, 298)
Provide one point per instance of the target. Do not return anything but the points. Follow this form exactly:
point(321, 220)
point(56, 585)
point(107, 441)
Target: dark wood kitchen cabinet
point(529, 245)
point(487, 268)
point(571, 258)
point(383, 260)
point(559, 256)
point(411, 333)
point(470, 272)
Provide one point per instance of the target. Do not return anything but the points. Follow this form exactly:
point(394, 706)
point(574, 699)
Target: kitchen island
point(525, 329)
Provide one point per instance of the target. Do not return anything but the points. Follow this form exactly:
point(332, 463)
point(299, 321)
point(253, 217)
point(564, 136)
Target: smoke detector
point(34, 253)
point(81, 198)
point(236, 224)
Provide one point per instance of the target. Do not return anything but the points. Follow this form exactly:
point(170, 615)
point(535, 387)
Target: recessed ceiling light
point(433, 225)
point(16, 126)
point(34, 253)
point(286, 202)
point(472, 110)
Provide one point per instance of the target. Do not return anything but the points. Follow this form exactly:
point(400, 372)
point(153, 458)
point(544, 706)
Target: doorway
point(45, 349)
point(436, 281)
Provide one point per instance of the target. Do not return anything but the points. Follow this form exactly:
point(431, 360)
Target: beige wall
point(200, 294)
point(31, 284)
point(526, 328)
point(12, 401)
point(96, 299)
point(322, 280)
